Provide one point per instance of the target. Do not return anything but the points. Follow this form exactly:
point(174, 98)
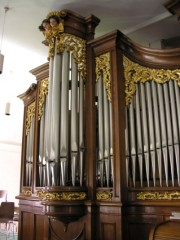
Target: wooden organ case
point(100, 154)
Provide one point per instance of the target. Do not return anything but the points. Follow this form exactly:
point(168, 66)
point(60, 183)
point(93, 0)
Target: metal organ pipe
point(56, 96)
point(139, 134)
point(48, 129)
point(74, 125)
point(163, 130)
point(157, 130)
point(111, 140)
point(100, 131)
point(145, 132)
point(106, 136)
point(151, 130)
point(64, 117)
point(81, 127)
point(153, 122)
point(105, 173)
point(41, 147)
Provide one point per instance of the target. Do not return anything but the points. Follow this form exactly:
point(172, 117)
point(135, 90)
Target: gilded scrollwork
point(26, 192)
point(67, 196)
point(170, 195)
point(135, 73)
point(103, 66)
point(29, 114)
point(77, 46)
point(42, 93)
point(103, 195)
point(58, 41)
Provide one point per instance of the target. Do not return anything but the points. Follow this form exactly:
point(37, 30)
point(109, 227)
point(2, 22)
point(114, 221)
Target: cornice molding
point(173, 6)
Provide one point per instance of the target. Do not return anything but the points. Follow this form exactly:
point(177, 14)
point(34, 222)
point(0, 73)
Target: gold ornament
point(103, 67)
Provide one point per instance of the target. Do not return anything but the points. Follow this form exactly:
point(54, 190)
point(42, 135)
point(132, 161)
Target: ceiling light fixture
point(2, 35)
point(7, 108)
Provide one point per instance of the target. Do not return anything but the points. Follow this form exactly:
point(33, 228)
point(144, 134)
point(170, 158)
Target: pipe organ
point(101, 134)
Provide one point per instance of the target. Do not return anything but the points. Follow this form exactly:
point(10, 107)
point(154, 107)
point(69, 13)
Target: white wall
point(10, 161)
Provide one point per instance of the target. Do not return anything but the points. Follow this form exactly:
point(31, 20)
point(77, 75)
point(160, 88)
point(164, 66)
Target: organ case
point(100, 155)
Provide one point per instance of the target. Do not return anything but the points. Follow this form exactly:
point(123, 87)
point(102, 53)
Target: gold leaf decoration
point(104, 195)
point(42, 93)
point(67, 196)
point(135, 73)
point(75, 45)
point(27, 192)
point(173, 195)
point(29, 115)
point(103, 66)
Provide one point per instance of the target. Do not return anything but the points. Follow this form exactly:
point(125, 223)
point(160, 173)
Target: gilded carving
point(174, 195)
point(104, 195)
point(42, 93)
point(58, 41)
point(135, 73)
point(67, 196)
point(27, 192)
point(77, 46)
point(103, 66)
point(29, 114)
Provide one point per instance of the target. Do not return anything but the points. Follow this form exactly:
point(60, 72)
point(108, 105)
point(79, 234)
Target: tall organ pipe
point(81, 127)
point(139, 134)
point(100, 128)
point(48, 129)
point(64, 117)
point(106, 136)
point(145, 132)
point(151, 130)
point(157, 130)
point(169, 129)
point(55, 117)
point(41, 145)
point(74, 121)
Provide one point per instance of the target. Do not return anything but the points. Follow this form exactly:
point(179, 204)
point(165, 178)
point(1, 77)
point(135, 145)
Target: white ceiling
point(144, 21)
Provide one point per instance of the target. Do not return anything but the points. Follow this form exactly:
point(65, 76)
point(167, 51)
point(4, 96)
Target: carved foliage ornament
point(27, 192)
point(42, 93)
point(135, 73)
point(29, 115)
point(67, 196)
point(174, 195)
point(104, 195)
point(103, 67)
point(75, 45)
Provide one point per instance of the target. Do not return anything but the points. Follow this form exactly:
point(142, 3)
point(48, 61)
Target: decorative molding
point(173, 6)
point(29, 114)
point(42, 93)
point(135, 73)
point(174, 195)
point(103, 66)
point(104, 195)
point(56, 196)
